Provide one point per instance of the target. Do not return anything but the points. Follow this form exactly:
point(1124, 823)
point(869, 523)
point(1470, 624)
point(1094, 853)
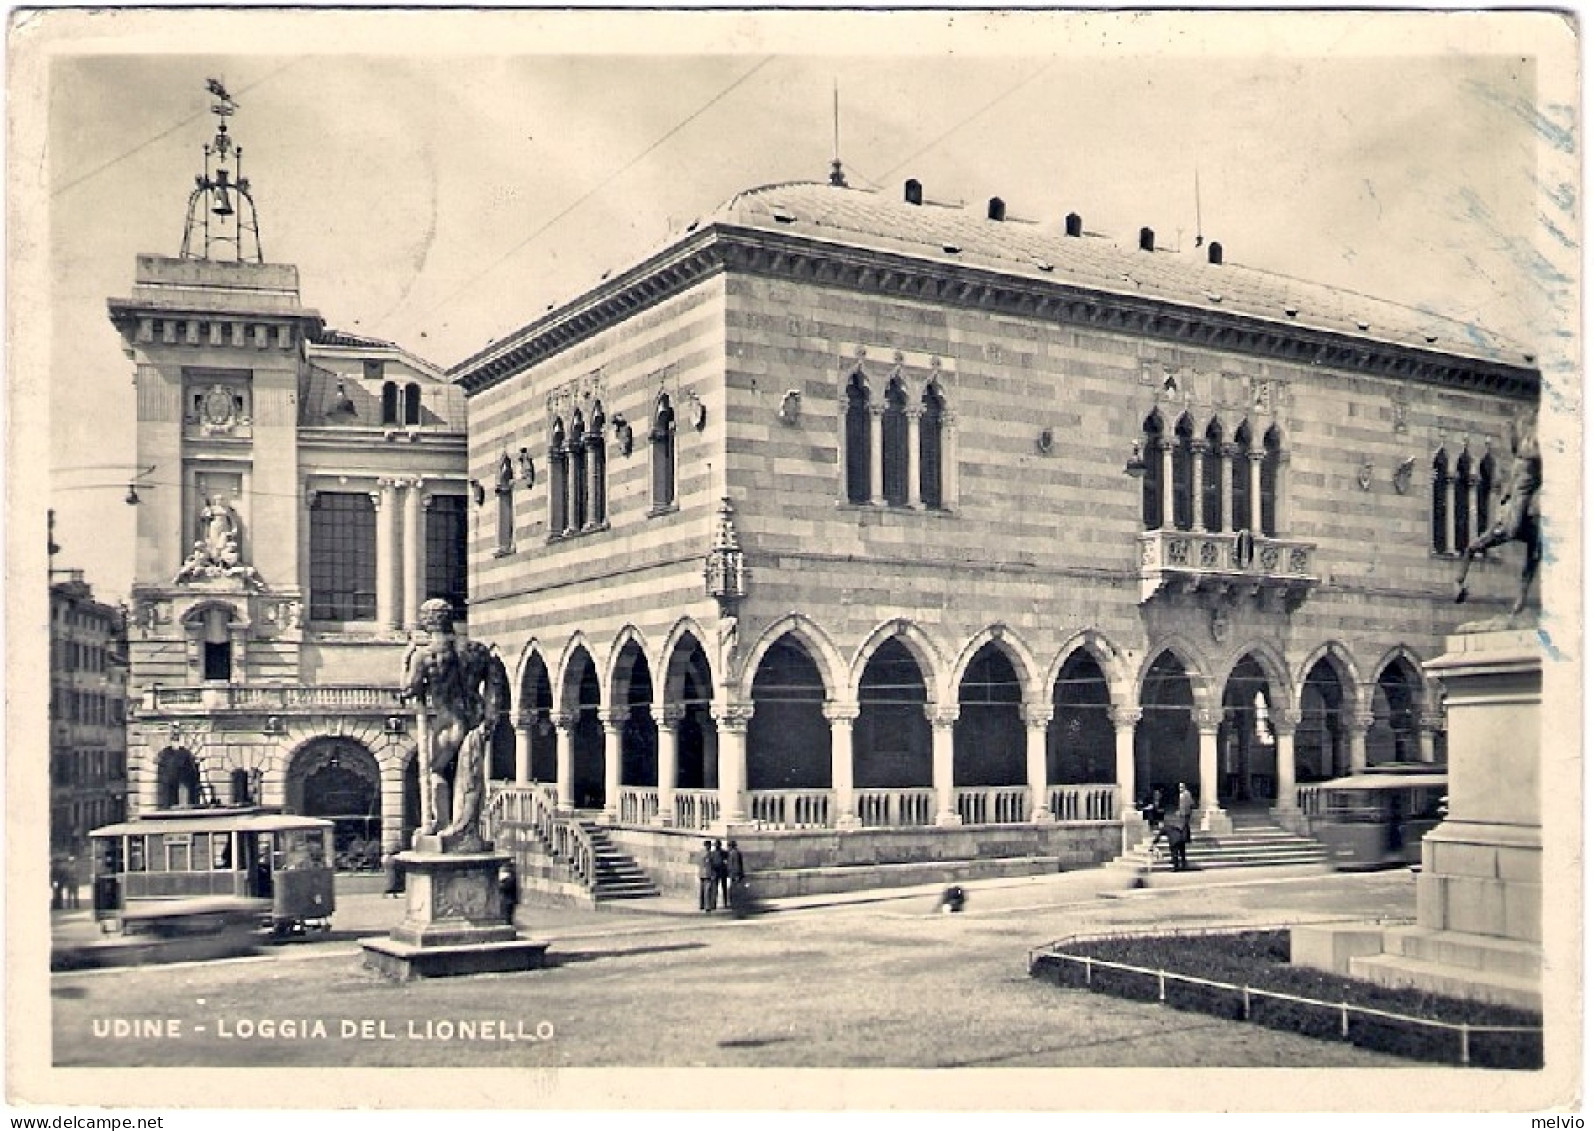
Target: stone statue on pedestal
point(1518, 519)
point(463, 690)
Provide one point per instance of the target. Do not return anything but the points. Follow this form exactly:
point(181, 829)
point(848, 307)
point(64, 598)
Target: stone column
point(1430, 724)
point(941, 723)
point(414, 557)
point(841, 716)
point(730, 720)
point(1225, 458)
point(915, 414)
point(1036, 716)
point(1198, 494)
point(1284, 724)
point(1208, 720)
point(525, 729)
point(877, 490)
point(1166, 448)
point(1123, 722)
point(572, 479)
point(386, 552)
point(595, 511)
point(613, 733)
point(1360, 721)
point(670, 717)
point(565, 759)
point(1255, 458)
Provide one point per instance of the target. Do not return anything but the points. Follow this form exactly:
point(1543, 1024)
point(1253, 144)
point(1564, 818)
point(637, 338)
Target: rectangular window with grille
point(445, 550)
point(343, 557)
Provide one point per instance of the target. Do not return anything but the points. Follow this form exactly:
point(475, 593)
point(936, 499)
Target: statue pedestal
point(455, 921)
point(1479, 930)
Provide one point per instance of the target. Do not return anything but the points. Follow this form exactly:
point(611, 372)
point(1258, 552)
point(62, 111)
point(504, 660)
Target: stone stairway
point(1255, 842)
point(615, 875)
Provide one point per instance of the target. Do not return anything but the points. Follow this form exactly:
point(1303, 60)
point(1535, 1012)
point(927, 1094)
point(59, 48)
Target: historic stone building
point(879, 531)
point(304, 494)
point(88, 710)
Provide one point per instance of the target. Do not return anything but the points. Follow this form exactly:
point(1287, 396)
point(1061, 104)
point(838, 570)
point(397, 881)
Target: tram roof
point(212, 820)
point(1386, 781)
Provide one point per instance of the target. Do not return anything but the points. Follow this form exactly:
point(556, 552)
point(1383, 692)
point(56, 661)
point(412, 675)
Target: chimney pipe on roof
point(1073, 225)
point(1214, 252)
point(913, 192)
point(996, 209)
point(1148, 240)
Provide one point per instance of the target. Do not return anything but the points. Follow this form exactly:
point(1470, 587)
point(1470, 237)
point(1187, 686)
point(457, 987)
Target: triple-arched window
point(1202, 481)
point(894, 453)
point(577, 474)
point(1463, 497)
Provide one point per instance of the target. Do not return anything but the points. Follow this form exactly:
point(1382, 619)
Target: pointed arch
point(1109, 657)
point(919, 646)
point(1184, 485)
point(1240, 477)
point(1013, 647)
point(932, 444)
point(1152, 504)
point(1273, 493)
point(611, 676)
point(566, 677)
point(532, 650)
point(832, 668)
point(1274, 666)
point(1189, 658)
point(684, 636)
point(1441, 501)
point(558, 480)
point(856, 445)
point(1343, 662)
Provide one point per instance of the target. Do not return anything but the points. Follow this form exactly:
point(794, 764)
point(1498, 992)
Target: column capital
point(1165, 444)
point(1124, 717)
point(733, 717)
point(1286, 721)
point(1431, 720)
point(1255, 455)
point(613, 718)
point(564, 720)
point(1037, 714)
point(1208, 719)
point(670, 714)
point(941, 715)
point(1362, 719)
point(836, 711)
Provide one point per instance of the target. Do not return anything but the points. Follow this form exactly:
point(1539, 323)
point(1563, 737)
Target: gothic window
point(1212, 478)
point(578, 472)
point(343, 556)
point(412, 403)
point(1151, 482)
point(1183, 455)
point(1240, 478)
point(930, 448)
point(1485, 488)
point(857, 440)
point(445, 550)
point(598, 462)
point(505, 492)
point(1462, 509)
point(558, 481)
point(390, 405)
point(1441, 501)
point(662, 438)
point(894, 446)
point(1272, 459)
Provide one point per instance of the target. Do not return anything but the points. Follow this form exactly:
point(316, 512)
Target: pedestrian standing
point(736, 875)
point(722, 873)
point(706, 878)
point(392, 876)
point(508, 892)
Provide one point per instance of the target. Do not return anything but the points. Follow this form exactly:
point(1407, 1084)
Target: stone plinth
point(1479, 930)
point(454, 922)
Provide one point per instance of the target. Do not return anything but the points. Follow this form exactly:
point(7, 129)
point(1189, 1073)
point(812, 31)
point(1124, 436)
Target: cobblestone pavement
point(874, 979)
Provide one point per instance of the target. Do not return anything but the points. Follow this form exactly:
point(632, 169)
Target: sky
point(440, 178)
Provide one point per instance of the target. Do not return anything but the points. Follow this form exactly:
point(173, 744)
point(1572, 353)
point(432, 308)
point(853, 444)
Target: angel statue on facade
point(462, 690)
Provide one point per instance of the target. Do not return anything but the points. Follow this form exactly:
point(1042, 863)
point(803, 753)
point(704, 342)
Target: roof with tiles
point(333, 400)
point(862, 218)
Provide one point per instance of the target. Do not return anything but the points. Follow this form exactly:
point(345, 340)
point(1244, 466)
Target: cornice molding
point(822, 263)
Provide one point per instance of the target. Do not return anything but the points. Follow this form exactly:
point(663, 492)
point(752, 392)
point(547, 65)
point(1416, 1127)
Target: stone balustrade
point(992, 805)
point(895, 808)
point(1095, 801)
point(1230, 563)
point(696, 808)
point(639, 805)
point(790, 808)
point(274, 700)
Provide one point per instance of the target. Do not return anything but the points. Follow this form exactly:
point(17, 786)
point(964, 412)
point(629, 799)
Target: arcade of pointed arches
point(906, 732)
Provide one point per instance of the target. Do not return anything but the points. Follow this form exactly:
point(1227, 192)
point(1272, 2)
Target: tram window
point(135, 854)
point(317, 849)
point(221, 852)
point(155, 853)
point(110, 856)
point(177, 854)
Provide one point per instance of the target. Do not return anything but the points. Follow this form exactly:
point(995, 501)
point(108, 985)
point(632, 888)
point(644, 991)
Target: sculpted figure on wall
point(1518, 519)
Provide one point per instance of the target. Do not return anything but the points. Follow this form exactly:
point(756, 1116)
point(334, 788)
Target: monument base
point(455, 921)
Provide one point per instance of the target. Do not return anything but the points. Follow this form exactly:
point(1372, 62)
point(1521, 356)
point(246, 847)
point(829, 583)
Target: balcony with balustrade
point(1228, 563)
point(208, 699)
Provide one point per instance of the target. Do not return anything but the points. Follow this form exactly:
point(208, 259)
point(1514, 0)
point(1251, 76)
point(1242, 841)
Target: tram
point(1377, 818)
point(183, 871)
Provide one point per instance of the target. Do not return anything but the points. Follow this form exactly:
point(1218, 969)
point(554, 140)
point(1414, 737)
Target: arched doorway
point(587, 786)
point(337, 778)
point(536, 720)
point(696, 735)
point(639, 736)
point(988, 738)
point(1322, 741)
point(788, 739)
point(1080, 742)
point(1247, 766)
point(1397, 706)
point(1167, 744)
point(891, 739)
point(177, 783)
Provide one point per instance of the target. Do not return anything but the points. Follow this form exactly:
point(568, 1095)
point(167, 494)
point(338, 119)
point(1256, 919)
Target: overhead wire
point(966, 120)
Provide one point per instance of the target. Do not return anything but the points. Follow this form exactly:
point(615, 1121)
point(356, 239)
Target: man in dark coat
point(735, 873)
point(707, 877)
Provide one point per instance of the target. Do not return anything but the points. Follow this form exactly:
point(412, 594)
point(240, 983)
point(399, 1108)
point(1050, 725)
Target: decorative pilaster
point(613, 733)
point(1036, 718)
point(731, 721)
point(565, 758)
point(942, 720)
point(841, 716)
point(1124, 721)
